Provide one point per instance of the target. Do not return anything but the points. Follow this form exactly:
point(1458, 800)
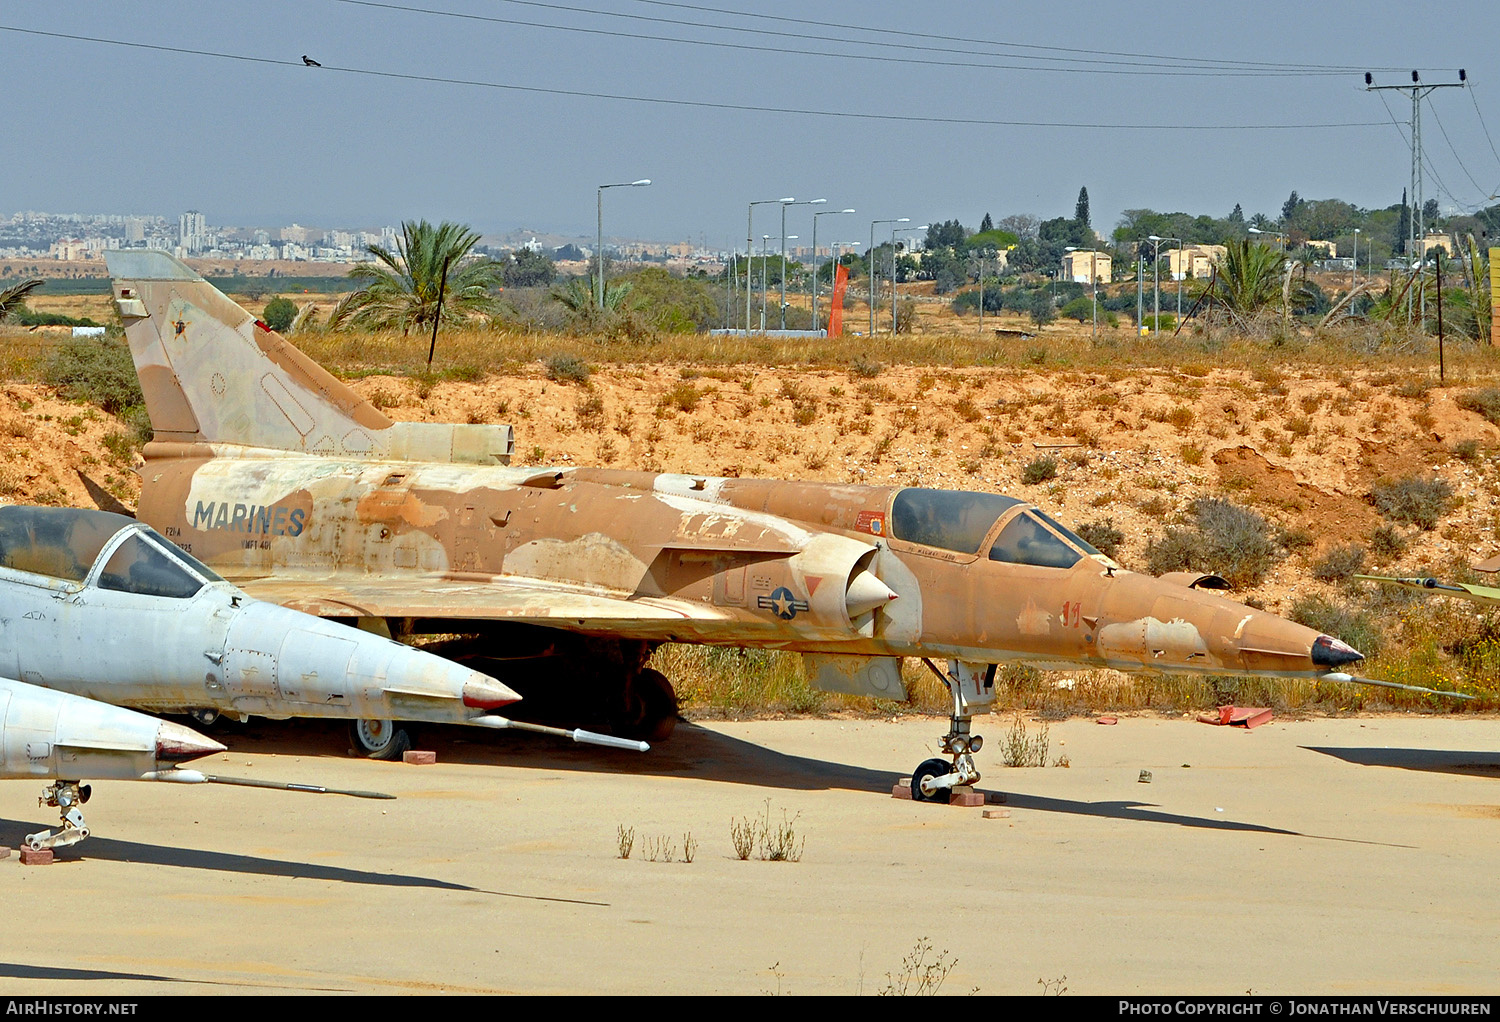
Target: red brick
point(902, 788)
point(963, 795)
point(997, 814)
point(40, 857)
point(419, 757)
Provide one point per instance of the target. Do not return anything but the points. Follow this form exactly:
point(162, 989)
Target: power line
point(698, 104)
point(1184, 68)
point(1486, 127)
point(1477, 187)
point(961, 39)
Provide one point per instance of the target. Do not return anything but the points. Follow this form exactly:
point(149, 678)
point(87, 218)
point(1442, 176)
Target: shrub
point(567, 368)
point(1356, 627)
point(1225, 538)
point(1339, 563)
point(1039, 471)
point(279, 314)
point(1386, 542)
point(1485, 402)
point(1102, 536)
point(1413, 500)
point(96, 370)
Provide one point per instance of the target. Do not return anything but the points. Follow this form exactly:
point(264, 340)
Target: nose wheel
point(972, 687)
point(67, 796)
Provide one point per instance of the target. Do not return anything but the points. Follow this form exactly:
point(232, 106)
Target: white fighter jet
point(64, 738)
point(99, 605)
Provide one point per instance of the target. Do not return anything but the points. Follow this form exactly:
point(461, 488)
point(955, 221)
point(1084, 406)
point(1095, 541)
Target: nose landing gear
point(973, 689)
point(66, 796)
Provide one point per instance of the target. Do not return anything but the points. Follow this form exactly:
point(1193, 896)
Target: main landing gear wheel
point(650, 707)
point(380, 739)
point(929, 769)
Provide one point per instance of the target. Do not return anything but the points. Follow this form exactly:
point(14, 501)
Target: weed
point(684, 397)
point(1192, 454)
point(1054, 987)
point(590, 412)
point(1412, 500)
point(742, 836)
point(919, 976)
point(1039, 471)
point(779, 842)
point(119, 444)
point(689, 847)
point(1022, 749)
point(1466, 450)
point(562, 368)
point(864, 367)
point(625, 837)
point(382, 398)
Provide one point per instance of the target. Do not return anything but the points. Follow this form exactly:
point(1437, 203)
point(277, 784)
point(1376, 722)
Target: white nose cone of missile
point(299, 665)
point(45, 733)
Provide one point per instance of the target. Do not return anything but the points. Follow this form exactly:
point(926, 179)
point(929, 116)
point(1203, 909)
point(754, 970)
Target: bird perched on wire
point(309, 61)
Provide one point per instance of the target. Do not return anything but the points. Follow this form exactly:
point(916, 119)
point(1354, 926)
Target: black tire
point(204, 716)
point(931, 768)
point(651, 707)
point(379, 739)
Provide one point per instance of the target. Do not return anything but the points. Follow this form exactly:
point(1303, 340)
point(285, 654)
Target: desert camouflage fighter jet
point(286, 481)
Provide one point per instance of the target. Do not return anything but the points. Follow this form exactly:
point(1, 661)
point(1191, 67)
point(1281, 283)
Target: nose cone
point(177, 744)
point(485, 693)
point(1334, 653)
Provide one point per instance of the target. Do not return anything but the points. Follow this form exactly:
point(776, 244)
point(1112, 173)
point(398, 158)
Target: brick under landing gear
point(959, 794)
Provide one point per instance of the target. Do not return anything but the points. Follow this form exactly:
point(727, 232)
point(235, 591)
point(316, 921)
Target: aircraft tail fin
point(213, 373)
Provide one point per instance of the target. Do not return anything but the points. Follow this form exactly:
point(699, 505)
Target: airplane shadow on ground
point(1446, 761)
point(13, 833)
point(690, 752)
point(15, 970)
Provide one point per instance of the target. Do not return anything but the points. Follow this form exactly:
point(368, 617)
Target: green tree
point(1289, 207)
point(1081, 209)
point(279, 314)
point(986, 224)
point(1237, 215)
point(529, 268)
point(403, 288)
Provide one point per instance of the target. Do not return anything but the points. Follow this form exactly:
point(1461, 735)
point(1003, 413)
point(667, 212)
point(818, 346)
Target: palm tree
point(406, 288)
point(13, 297)
point(1249, 278)
point(580, 297)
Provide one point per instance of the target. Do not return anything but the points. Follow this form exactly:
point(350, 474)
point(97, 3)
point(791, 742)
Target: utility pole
point(1418, 92)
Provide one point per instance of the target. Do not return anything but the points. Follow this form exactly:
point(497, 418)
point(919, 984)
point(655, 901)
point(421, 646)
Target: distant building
point(1434, 241)
point(1329, 249)
point(192, 232)
point(1194, 261)
point(1077, 267)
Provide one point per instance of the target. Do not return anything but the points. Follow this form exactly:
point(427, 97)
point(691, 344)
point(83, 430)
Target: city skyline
point(417, 113)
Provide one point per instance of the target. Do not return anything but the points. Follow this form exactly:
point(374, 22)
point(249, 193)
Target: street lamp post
point(599, 237)
point(1354, 273)
point(1280, 237)
point(1179, 275)
point(895, 231)
point(825, 212)
point(870, 256)
point(765, 280)
point(784, 205)
point(1093, 291)
point(750, 253)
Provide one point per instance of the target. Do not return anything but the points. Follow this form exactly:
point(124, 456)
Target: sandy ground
point(1329, 856)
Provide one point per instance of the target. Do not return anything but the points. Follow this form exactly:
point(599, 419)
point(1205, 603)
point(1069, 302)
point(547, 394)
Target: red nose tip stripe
point(485, 693)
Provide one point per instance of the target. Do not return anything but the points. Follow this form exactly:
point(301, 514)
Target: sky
point(211, 108)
